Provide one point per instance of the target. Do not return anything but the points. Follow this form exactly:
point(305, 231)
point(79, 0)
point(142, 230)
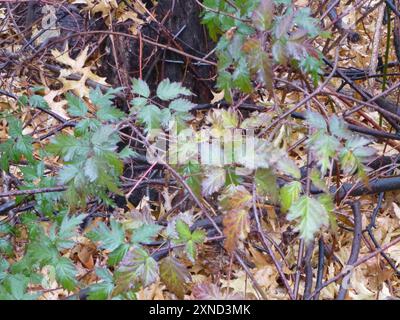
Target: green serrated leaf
point(316, 120)
point(37, 101)
point(127, 153)
point(65, 273)
point(338, 127)
point(117, 255)
point(193, 175)
point(311, 216)
point(108, 113)
point(266, 184)
point(145, 233)
point(168, 90)
point(68, 229)
point(150, 115)
point(181, 105)
point(183, 231)
point(101, 99)
point(289, 194)
point(141, 265)
point(198, 236)
point(140, 87)
point(101, 290)
point(110, 239)
point(76, 106)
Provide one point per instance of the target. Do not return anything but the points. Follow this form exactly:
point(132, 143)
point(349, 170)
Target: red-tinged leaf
point(235, 202)
point(262, 16)
point(175, 276)
point(284, 25)
point(235, 197)
point(236, 227)
point(260, 64)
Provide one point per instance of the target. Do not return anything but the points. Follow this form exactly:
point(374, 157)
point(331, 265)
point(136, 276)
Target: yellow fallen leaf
point(217, 96)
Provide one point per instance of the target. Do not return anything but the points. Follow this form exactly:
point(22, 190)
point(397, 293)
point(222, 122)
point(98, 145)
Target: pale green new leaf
point(289, 194)
point(181, 105)
point(168, 90)
point(310, 214)
point(150, 116)
point(316, 120)
point(183, 231)
point(338, 127)
point(140, 87)
point(191, 240)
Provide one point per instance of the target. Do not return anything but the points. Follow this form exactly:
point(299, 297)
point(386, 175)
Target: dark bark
point(179, 27)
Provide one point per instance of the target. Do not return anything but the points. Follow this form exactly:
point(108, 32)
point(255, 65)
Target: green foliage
point(109, 238)
point(65, 273)
point(168, 90)
point(145, 233)
point(311, 215)
point(141, 88)
point(289, 194)
point(14, 287)
point(193, 174)
point(92, 164)
point(76, 106)
point(190, 239)
point(338, 143)
point(103, 289)
point(138, 265)
point(266, 183)
point(17, 146)
point(153, 115)
point(43, 250)
point(243, 29)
